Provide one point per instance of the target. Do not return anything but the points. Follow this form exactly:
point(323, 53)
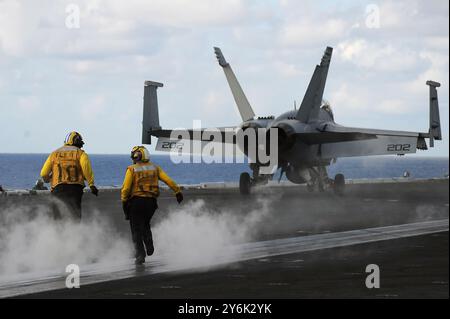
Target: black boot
point(140, 260)
point(150, 250)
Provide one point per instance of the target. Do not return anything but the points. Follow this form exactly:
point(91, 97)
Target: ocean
point(20, 171)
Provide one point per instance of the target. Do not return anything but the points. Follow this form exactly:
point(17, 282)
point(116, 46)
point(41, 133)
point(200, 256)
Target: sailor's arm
point(126, 186)
point(47, 169)
point(88, 174)
point(87, 169)
point(169, 182)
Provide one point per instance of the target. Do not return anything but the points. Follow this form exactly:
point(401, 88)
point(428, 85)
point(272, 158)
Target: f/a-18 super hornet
point(309, 139)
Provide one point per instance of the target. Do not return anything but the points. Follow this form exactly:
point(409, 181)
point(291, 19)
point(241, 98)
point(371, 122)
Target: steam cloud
point(195, 236)
point(192, 235)
point(31, 242)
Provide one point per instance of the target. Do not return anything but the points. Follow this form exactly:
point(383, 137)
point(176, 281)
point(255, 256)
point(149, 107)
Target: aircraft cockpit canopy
point(327, 108)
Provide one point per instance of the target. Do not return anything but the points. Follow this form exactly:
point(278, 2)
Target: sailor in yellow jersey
point(139, 192)
point(66, 169)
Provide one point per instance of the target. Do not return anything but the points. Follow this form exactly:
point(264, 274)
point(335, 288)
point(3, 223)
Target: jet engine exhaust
point(286, 138)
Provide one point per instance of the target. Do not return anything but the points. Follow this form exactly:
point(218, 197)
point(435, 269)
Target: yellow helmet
point(140, 153)
point(74, 139)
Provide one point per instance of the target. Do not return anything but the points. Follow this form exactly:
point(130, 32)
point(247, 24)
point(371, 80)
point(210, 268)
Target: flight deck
point(279, 242)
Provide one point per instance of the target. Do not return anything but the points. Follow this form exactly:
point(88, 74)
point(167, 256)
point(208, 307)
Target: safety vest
point(145, 180)
point(66, 167)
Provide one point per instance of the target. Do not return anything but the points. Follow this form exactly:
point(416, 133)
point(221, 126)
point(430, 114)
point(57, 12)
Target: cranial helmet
point(140, 153)
point(74, 139)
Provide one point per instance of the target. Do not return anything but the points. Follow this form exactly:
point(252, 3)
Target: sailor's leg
point(151, 206)
point(137, 229)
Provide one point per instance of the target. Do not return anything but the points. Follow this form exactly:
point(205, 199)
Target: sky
point(81, 65)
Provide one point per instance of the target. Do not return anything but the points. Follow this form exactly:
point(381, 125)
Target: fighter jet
point(309, 140)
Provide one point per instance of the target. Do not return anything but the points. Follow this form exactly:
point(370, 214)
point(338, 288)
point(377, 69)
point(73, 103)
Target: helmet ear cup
point(78, 140)
point(136, 154)
point(140, 153)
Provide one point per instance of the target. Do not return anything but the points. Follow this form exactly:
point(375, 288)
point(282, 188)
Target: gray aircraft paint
point(241, 100)
point(308, 137)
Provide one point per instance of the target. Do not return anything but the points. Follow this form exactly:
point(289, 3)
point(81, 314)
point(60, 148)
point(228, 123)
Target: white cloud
point(16, 27)
point(309, 32)
point(437, 71)
point(287, 70)
point(414, 17)
point(355, 101)
point(95, 66)
point(94, 108)
point(439, 43)
point(393, 106)
point(106, 27)
point(378, 56)
point(28, 104)
point(347, 99)
point(98, 70)
point(82, 66)
point(178, 13)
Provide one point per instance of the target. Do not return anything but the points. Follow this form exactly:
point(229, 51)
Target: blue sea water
point(20, 171)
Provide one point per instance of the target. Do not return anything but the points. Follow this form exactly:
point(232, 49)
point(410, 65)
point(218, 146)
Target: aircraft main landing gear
point(339, 184)
point(321, 182)
point(245, 183)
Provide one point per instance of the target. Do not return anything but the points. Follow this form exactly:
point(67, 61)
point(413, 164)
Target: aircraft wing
point(333, 137)
point(386, 142)
point(184, 140)
point(370, 142)
point(344, 129)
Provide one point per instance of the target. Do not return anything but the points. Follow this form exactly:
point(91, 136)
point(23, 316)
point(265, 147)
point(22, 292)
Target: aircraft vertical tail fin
point(241, 100)
point(150, 119)
point(309, 109)
point(434, 132)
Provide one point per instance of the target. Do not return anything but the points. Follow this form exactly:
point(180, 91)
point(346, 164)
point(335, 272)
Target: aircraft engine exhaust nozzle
point(297, 175)
point(286, 137)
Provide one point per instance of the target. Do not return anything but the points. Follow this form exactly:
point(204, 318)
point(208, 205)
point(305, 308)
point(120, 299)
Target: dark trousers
point(71, 196)
point(141, 212)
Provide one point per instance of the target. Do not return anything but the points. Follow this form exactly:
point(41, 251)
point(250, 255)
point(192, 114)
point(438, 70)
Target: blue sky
point(55, 79)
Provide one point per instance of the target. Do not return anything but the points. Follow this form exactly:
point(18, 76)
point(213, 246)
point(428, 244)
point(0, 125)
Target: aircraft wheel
point(321, 188)
point(245, 183)
point(339, 184)
point(310, 187)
